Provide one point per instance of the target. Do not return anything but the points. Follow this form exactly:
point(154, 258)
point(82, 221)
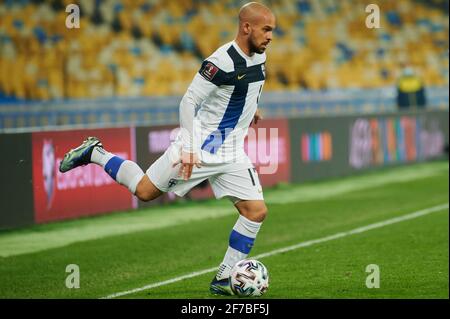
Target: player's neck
point(243, 45)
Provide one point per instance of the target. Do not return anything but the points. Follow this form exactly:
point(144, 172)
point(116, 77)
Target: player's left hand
point(257, 116)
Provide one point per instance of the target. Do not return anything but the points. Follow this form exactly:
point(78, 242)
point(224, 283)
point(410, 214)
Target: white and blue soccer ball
point(249, 278)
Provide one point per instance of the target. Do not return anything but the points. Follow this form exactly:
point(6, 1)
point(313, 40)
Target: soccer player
point(215, 113)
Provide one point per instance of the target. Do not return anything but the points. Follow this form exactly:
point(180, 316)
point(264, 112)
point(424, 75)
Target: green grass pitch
point(124, 251)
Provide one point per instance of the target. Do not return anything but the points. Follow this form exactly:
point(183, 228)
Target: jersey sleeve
point(207, 79)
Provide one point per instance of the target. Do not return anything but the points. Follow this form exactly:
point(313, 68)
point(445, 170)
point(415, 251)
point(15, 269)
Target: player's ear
point(247, 28)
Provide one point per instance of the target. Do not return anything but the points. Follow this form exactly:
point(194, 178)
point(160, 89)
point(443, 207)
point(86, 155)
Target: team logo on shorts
point(209, 71)
point(172, 182)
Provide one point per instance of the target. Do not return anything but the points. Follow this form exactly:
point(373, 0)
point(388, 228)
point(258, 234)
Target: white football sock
point(130, 174)
point(241, 240)
point(125, 172)
point(100, 156)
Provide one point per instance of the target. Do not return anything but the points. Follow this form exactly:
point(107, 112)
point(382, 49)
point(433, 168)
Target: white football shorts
point(237, 181)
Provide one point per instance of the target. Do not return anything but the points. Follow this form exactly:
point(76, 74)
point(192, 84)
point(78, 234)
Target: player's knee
point(261, 213)
point(144, 194)
point(145, 197)
point(146, 191)
point(256, 213)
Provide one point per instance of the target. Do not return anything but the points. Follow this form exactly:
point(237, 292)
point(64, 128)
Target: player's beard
point(254, 47)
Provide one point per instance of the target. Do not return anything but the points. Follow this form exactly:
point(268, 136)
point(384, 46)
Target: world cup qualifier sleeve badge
point(208, 70)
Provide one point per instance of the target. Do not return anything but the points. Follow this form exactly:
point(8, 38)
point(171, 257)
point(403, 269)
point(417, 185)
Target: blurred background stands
point(152, 48)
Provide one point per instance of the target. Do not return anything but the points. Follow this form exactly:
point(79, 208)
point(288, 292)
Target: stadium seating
point(154, 47)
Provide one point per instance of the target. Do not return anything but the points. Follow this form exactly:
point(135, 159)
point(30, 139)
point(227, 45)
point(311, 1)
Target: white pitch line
point(358, 230)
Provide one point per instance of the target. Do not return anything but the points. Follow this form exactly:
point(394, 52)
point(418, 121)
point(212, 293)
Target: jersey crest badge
point(209, 71)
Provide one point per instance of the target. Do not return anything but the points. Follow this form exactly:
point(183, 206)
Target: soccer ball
point(249, 278)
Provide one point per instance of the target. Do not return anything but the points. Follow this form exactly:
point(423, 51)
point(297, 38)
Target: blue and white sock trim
point(243, 234)
point(113, 165)
point(240, 242)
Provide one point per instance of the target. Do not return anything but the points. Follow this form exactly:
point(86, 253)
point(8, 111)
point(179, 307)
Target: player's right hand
point(187, 160)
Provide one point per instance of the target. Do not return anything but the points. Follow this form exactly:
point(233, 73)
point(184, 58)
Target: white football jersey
point(225, 93)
